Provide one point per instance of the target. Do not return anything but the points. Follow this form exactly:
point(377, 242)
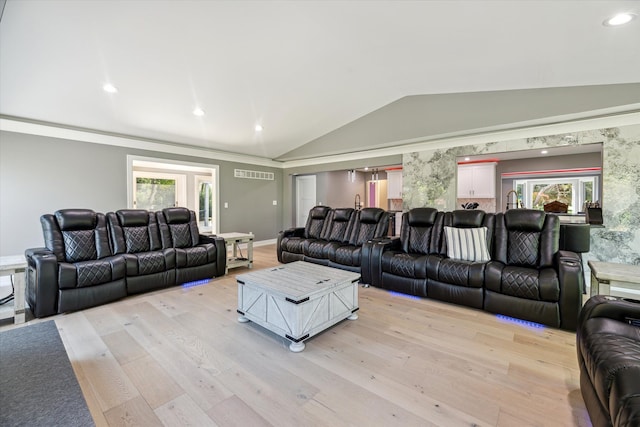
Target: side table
point(607, 274)
point(233, 241)
point(15, 265)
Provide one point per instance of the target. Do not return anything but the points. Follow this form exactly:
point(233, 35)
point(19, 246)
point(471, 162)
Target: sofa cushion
point(402, 264)
point(467, 244)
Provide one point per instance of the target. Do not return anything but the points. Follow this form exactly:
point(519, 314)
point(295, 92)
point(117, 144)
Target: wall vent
point(242, 173)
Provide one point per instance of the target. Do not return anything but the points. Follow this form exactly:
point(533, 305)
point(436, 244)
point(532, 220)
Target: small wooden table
point(15, 265)
point(607, 274)
point(297, 300)
point(233, 240)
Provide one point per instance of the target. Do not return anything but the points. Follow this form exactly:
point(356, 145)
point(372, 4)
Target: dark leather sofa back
point(76, 235)
point(421, 231)
point(178, 227)
point(370, 223)
point(134, 231)
point(338, 225)
point(316, 222)
point(527, 238)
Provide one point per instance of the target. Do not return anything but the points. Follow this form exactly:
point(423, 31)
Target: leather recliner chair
point(369, 224)
point(401, 264)
point(457, 280)
point(76, 269)
point(197, 256)
point(135, 234)
point(608, 347)
point(528, 277)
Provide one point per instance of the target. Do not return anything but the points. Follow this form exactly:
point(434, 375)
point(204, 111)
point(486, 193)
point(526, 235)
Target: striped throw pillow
point(467, 244)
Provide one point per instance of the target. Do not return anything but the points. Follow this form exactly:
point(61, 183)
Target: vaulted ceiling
point(319, 77)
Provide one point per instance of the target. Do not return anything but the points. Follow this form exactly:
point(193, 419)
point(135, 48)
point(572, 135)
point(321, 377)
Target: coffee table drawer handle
point(297, 302)
point(289, 337)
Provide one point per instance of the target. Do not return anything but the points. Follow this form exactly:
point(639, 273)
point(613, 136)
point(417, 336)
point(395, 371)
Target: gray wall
point(41, 175)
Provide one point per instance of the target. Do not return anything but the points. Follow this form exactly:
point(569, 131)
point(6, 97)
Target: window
point(573, 191)
point(155, 191)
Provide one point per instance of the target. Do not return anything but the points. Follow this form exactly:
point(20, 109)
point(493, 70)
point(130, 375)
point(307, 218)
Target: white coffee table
point(297, 300)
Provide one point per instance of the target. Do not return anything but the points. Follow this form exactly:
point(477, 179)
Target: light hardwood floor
point(179, 357)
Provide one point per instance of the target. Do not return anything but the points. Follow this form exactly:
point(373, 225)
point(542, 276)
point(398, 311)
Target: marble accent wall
point(429, 180)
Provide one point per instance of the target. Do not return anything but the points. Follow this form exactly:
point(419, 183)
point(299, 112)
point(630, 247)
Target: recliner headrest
point(467, 218)
point(76, 219)
point(422, 217)
point(370, 215)
point(342, 214)
point(133, 217)
point(319, 212)
point(176, 215)
point(524, 219)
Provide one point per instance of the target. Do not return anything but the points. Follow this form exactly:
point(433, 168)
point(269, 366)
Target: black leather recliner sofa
point(522, 275)
point(333, 237)
point(608, 346)
point(88, 261)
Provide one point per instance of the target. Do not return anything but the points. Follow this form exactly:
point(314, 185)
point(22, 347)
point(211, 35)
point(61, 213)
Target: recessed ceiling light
point(544, 152)
point(198, 112)
point(619, 19)
point(108, 87)
point(258, 128)
point(466, 159)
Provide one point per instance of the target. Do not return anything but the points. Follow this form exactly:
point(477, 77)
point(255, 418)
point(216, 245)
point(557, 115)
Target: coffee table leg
point(243, 319)
point(296, 347)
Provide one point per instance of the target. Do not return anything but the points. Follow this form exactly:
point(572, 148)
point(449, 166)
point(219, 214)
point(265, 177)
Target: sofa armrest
point(569, 267)
point(285, 234)
point(293, 232)
point(42, 282)
point(221, 252)
point(621, 309)
point(371, 267)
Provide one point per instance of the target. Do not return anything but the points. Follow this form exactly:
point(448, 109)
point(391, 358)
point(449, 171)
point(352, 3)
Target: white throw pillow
point(467, 244)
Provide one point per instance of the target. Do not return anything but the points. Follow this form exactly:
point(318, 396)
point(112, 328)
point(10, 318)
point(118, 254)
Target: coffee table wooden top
point(298, 280)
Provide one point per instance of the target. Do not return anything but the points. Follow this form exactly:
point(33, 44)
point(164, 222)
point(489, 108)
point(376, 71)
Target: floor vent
point(242, 173)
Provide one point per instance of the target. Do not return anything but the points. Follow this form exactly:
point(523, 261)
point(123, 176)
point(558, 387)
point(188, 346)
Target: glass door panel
point(156, 191)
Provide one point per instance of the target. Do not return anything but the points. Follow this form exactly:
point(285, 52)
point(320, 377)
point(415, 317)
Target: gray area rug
point(37, 383)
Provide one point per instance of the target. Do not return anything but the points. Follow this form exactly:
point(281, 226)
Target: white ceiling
point(300, 68)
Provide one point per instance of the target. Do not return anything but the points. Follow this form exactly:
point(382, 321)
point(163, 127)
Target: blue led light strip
point(195, 283)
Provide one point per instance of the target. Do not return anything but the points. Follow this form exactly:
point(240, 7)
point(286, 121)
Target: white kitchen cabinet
point(477, 181)
point(394, 184)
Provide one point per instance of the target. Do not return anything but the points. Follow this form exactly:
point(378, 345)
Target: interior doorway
point(305, 197)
